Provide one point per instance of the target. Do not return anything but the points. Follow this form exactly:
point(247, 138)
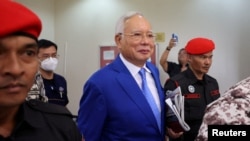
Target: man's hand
point(173, 134)
point(171, 44)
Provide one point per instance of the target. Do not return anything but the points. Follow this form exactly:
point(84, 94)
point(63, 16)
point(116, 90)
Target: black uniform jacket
point(197, 94)
point(39, 121)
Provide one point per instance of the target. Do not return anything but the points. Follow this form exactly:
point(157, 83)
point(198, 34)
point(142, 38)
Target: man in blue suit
point(113, 106)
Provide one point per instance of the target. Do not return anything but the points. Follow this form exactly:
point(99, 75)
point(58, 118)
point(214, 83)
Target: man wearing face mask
point(55, 85)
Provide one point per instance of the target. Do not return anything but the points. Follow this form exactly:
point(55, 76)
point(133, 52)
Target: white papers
point(175, 101)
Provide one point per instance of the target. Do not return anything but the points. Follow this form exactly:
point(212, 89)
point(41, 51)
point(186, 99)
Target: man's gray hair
point(120, 23)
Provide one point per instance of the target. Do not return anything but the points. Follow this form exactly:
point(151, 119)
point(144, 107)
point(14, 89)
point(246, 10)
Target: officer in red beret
point(198, 88)
point(22, 120)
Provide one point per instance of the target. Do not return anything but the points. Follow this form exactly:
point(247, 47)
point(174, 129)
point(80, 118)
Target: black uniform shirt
point(39, 121)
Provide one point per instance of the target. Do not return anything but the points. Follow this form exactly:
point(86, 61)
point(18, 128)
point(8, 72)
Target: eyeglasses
point(138, 36)
point(46, 56)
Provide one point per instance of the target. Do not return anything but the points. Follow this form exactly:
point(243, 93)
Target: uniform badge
point(191, 89)
point(61, 89)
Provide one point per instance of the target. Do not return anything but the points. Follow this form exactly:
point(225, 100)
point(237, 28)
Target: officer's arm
point(170, 85)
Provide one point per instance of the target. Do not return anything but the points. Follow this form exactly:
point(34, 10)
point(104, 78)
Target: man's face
point(18, 66)
point(137, 42)
point(182, 57)
point(45, 53)
point(200, 64)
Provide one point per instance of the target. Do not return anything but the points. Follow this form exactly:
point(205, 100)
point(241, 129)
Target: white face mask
point(49, 64)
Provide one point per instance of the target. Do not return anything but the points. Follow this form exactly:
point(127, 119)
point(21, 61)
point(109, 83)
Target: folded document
point(175, 113)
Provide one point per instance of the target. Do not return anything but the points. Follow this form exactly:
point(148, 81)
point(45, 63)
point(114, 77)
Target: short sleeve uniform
point(173, 68)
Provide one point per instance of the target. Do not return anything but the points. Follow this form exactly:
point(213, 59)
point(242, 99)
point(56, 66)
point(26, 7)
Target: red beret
point(199, 46)
point(16, 18)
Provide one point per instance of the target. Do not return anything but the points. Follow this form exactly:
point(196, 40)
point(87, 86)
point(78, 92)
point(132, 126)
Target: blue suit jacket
point(113, 107)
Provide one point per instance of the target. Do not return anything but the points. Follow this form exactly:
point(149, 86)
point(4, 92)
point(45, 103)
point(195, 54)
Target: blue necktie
point(148, 95)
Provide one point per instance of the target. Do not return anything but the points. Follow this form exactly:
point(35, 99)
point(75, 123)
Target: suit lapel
point(127, 82)
point(158, 85)
point(159, 90)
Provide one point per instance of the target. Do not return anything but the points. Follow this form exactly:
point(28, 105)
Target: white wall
point(46, 11)
point(80, 26)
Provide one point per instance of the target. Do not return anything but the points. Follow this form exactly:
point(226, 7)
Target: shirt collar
point(192, 77)
point(133, 69)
